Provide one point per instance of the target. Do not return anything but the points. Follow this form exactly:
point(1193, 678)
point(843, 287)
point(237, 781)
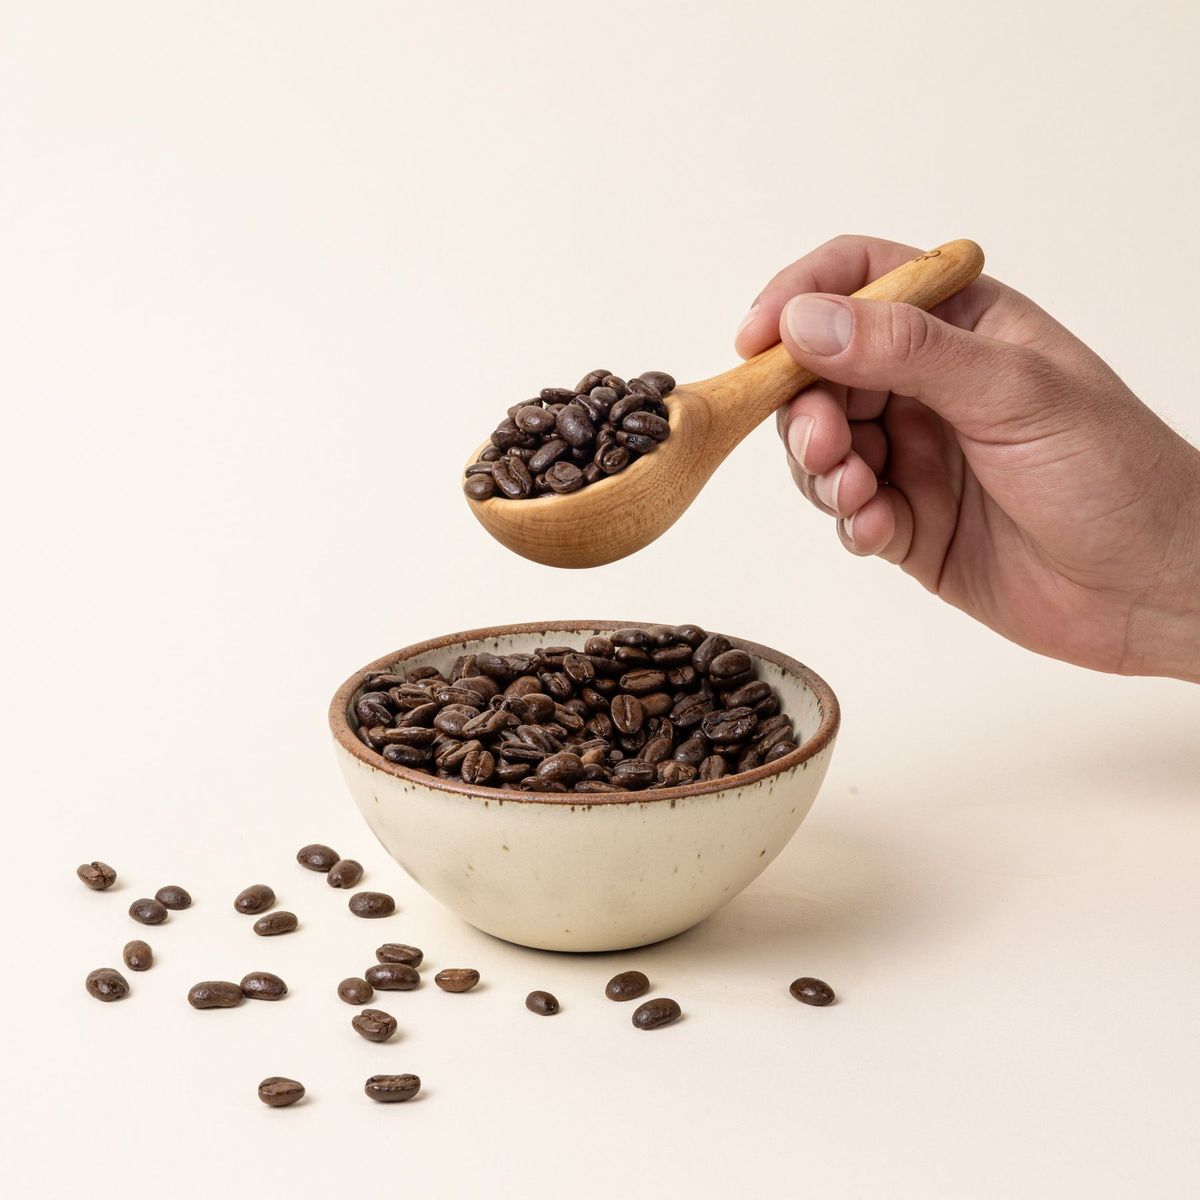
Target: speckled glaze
point(573, 872)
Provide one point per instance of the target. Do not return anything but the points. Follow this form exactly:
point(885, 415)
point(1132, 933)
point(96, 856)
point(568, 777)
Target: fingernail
point(818, 325)
point(799, 430)
point(747, 319)
point(848, 527)
point(826, 487)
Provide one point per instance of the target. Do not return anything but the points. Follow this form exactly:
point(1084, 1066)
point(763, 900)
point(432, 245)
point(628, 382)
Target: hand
point(994, 457)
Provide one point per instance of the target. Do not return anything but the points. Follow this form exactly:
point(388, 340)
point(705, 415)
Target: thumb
point(974, 382)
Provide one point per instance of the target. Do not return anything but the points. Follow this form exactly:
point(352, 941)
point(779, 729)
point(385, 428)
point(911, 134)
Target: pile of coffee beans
point(652, 707)
point(565, 438)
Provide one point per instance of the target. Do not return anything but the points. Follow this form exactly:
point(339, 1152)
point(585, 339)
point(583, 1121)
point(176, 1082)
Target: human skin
point(994, 457)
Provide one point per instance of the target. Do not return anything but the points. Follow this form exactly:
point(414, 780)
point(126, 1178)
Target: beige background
point(267, 272)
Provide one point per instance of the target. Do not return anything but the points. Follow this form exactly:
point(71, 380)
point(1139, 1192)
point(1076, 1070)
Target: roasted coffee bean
point(532, 418)
point(393, 977)
point(729, 725)
point(274, 923)
point(96, 875)
point(215, 993)
point(627, 713)
point(355, 990)
point(545, 1004)
point(262, 985)
point(372, 904)
point(628, 985)
point(812, 991)
point(478, 767)
point(456, 979)
point(674, 774)
point(659, 380)
point(276, 1091)
point(692, 751)
point(712, 646)
point(173, 896)
point(255, 899)
point(646, 424)
point(561, 768)
point(564, 477)
point(138, 956)
point(345, 873)
point(148, 912)
point(317, 857)
point(656, 1013)
point(106, 985)
point(748, 695)
point(712, 767)
point(396, 952)
point(374, 1024)
point(406, 756)
point(389, 1089)
point(512, 479)
point(634, 774)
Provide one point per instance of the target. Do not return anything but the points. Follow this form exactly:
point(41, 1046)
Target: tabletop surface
point(270, 271)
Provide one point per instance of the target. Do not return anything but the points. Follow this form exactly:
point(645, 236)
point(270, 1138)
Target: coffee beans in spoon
point(566, 438)
point(644, 707)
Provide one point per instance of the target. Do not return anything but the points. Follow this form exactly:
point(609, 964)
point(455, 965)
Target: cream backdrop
point(267, 272)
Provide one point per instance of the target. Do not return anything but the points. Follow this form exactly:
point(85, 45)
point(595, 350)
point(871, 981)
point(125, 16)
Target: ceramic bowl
point(574, 871)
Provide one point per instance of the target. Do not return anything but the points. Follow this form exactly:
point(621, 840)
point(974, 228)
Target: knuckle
point(907, 333)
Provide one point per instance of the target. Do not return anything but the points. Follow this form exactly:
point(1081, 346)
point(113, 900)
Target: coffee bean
point(812, 991)
point(395, 952)
point(106, 985)
point(712, 767)
point(148, 912)
point(627, 713)
point(173, 897)
point(274, 923)
point(215, 993)
point(262, 985)
point(355, 990)
point(138, 956)
point(316, 857)
point(374, 1024)
point(659, 380)
point(480, 487)
point(278, 1092)
point(656, 1013)
point(254, 899)
point(456, 979)
point(731, 725)
point(628, 985)
point(372, 904)
point(345, 873)
point(393, 977)
point(545, 1004)
point(389, 1089)
point(97, 875)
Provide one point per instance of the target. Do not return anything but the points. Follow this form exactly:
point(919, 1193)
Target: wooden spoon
point(622, 513)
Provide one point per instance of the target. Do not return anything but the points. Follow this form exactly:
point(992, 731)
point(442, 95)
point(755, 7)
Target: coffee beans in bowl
point(637, 709)
point(566, 438)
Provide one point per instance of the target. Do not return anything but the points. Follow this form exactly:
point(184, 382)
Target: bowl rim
point(348, 740)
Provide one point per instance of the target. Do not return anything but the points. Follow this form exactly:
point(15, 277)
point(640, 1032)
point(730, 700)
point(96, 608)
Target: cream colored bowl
point(570, 871)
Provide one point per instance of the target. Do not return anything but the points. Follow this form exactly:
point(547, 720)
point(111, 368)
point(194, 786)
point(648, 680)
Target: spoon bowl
point(621, 513)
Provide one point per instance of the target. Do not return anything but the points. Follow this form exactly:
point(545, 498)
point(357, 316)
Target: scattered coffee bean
point(389, 1089)
point(274, 923)
point(645, 708)
point(565, 439)
point(393, 977)
point(628, 985)
point(173, 897)
point(355, 991)
point(138, 956)
point(107, 985)
point(278, 1092)
point(255, 899)
point(317, 857)
point(456, 979)
point(812, 991)
point(655, 1013)
point(345, 873)
point(96, 875)
point(215, 993)
point(262, 985)
point(394, 952)
point(374, 1024)
point(545, 1004)
point(148, 912)
point(372, 904)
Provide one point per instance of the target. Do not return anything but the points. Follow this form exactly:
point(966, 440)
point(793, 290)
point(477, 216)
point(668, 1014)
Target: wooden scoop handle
point(758, 387)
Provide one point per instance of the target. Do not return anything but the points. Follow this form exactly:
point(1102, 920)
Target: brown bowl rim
point(344, 735)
